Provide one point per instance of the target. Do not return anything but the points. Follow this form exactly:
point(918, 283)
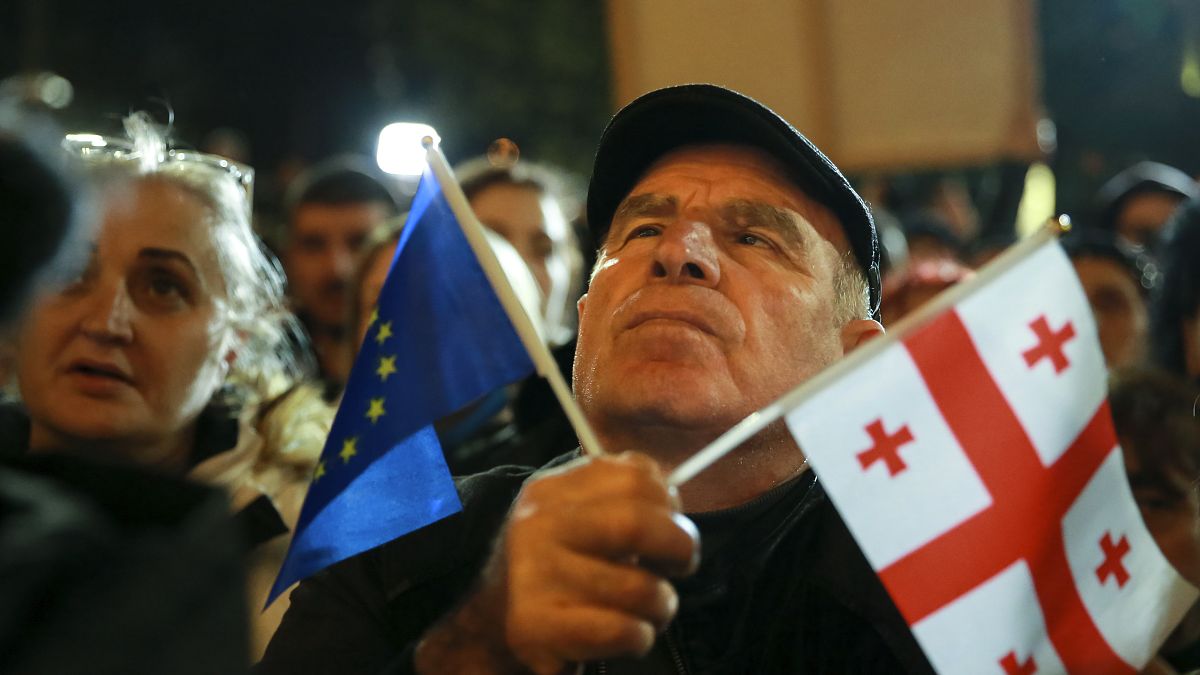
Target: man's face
point(713, 295)
point(1142, 217)
point(323, 246)
point(1120, 310)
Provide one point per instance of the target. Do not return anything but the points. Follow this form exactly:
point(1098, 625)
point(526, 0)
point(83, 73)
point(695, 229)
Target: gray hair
point(851, 293)
point(267, 336)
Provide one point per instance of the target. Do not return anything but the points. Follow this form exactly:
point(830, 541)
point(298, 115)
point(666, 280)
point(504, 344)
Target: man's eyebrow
point(646, 205)
point(746, 212)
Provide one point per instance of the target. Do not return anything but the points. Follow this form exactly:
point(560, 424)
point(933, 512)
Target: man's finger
point(630, 529)
point(625, 587)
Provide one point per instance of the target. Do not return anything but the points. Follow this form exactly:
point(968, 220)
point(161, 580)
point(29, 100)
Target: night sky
point(303, 80)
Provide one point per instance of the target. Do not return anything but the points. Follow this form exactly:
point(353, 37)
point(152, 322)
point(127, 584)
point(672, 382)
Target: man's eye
point(644, 231)
point(750, 239)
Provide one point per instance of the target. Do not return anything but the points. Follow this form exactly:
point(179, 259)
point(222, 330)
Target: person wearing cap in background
point(330, 211)
point(1136, 203)
point(736, 262)
point(1117, 280)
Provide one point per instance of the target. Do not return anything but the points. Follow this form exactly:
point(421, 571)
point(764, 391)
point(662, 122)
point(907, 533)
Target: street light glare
point(401, 151)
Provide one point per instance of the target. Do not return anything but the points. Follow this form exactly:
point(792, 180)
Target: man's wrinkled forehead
point(772, 186)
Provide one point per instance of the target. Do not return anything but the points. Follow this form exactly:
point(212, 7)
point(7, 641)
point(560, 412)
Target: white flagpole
point(759, 420)
point(538, 351)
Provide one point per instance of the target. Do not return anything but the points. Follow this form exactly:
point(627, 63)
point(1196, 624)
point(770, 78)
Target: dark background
point(303, 79)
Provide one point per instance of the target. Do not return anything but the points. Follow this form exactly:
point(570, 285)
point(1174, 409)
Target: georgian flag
point(976, 464)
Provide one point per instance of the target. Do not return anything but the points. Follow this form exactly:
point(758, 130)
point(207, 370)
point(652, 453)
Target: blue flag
point(438, 340)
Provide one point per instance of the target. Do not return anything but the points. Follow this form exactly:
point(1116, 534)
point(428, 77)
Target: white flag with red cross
point(975, 461)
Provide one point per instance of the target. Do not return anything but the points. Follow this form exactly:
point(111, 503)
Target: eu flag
point(438, 340)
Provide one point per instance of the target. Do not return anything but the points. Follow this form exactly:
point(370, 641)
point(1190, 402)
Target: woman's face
point(518, 213)
point(127, 354)
point(371, 286)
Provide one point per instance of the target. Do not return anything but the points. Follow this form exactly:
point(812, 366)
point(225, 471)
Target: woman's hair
point(1177, 297)
point(267, 336)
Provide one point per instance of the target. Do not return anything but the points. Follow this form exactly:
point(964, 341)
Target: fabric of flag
point(438, 340)
point(976, 463)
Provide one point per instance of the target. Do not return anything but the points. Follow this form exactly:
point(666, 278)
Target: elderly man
point(736, 262)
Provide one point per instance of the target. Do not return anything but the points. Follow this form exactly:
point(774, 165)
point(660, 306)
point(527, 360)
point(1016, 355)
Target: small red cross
point(1113, 553)
point(1011, 667)
point(886, 448)
point(1050, 344)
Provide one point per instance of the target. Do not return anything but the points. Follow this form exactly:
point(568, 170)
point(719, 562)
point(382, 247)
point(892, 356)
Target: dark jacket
point(782, 589)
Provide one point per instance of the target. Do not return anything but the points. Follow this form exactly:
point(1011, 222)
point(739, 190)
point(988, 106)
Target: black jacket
point(782, 589)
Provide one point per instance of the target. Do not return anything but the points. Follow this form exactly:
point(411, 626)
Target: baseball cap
point(691, 114)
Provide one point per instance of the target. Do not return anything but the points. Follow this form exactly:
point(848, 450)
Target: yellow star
point(320, 471)
point(387, 366)
point(376, 410)
point(349, 449)
point(385, 332)
point(374, 317)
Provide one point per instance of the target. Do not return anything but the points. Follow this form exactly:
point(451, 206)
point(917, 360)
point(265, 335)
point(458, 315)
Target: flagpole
point(761, 419)
point(543, 361)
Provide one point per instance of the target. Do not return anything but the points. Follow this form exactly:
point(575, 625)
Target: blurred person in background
point(528, 205)
point(918, 283)
point(169, 346)
point(330, 210)
point(1155, 417)
point(1117, 281)
point(1175, 304)
point(930, 238)
point(1136, 203)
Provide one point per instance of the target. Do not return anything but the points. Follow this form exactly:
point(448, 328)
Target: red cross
point(1113, 553)
point(1011, 667)
point(1050, 344)
point(886, 448)
point(1024, 493)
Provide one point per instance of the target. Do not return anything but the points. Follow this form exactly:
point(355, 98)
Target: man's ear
point(580, 305)
point(857, 332)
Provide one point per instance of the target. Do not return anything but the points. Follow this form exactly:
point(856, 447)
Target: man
point(330, 210)
point(736, 262)
point(1138, 201)
point(1117, 282)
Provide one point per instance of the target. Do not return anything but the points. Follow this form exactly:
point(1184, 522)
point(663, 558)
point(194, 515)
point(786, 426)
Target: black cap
point(691, 114)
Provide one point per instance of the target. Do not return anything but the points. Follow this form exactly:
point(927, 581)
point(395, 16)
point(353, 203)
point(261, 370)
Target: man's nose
point(109, 315)
point(342, 260)
point(687, 253)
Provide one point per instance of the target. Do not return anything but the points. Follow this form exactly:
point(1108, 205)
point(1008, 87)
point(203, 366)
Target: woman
point(170, 346)
point(527, 204)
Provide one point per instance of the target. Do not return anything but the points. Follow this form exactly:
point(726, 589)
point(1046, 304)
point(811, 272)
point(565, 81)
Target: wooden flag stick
point(543, 361)
point(761, 419)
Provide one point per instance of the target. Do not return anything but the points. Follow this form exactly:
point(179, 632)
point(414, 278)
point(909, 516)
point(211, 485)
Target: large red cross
point(1029, 501)
point(1112, 566)
point(1050, 344)
point(1013, 667)
point(885, 448)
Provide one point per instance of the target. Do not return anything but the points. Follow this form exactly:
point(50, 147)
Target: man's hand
point(578, 573)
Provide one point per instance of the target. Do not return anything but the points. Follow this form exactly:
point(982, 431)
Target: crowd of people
point(166, 357)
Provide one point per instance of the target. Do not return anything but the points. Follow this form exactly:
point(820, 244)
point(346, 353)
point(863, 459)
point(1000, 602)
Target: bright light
point(1037, 202)
point(401, 150)
point(93, 140)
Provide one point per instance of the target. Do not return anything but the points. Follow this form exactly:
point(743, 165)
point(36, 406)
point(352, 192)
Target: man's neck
point(332, 353)
point(768, 459)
